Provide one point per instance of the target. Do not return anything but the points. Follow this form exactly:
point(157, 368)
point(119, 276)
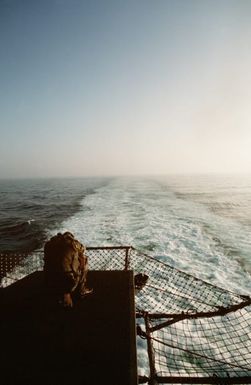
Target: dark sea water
point(199, 224)
point(32, 207)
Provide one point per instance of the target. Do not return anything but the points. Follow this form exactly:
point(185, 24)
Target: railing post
point(127, 262)
point(150, 350)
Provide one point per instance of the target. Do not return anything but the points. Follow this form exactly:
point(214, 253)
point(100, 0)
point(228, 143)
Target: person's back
point(65, 267)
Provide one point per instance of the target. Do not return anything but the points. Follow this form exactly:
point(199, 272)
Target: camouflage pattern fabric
point(65, 264)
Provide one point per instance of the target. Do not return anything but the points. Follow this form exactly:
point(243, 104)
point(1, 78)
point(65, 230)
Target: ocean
point(198, 224)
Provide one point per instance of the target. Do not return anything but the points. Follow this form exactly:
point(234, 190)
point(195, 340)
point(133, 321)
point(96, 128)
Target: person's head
point(70, 239)
point(67, 234)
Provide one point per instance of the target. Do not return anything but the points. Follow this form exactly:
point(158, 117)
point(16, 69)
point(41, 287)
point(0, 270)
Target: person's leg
point(82, 289)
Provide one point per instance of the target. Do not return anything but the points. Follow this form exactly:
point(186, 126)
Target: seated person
point(65, 268)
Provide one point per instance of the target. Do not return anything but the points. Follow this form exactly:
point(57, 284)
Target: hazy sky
point(124, 87)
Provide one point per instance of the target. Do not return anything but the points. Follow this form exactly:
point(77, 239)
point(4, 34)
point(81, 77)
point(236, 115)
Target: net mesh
point(217, 346)
point(169, 290)
point(192, 328)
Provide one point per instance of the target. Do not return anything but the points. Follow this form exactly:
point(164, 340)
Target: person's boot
point(86, 291)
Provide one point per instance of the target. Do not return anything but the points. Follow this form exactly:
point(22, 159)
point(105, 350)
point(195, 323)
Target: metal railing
point(194, 332)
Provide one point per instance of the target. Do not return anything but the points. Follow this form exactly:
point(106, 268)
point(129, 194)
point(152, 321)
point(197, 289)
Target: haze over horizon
point(124, 87)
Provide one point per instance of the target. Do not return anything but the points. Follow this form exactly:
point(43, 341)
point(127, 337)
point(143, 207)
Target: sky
point(96, 88)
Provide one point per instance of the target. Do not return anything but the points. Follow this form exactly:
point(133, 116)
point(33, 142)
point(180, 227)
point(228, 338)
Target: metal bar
point(127, 262)
point(150, 350)
point(181, 316)
point(167, 323)
point(204, 380)
point(107, 247)
point(126, 248)
point(140, 314)
point(22, 255)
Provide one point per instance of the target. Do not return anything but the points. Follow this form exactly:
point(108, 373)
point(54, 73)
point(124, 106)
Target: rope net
point(217, 346)
point(189, 330)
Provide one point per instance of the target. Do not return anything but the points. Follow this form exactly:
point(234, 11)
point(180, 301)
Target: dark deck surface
point(94, 343)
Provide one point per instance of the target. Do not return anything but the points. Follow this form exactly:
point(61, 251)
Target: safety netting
point(191, 331)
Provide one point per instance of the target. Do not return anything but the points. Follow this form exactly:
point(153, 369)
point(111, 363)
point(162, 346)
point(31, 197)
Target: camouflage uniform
point(65, 265)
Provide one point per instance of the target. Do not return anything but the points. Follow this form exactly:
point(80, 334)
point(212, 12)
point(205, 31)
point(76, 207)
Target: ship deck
point(93, 343)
